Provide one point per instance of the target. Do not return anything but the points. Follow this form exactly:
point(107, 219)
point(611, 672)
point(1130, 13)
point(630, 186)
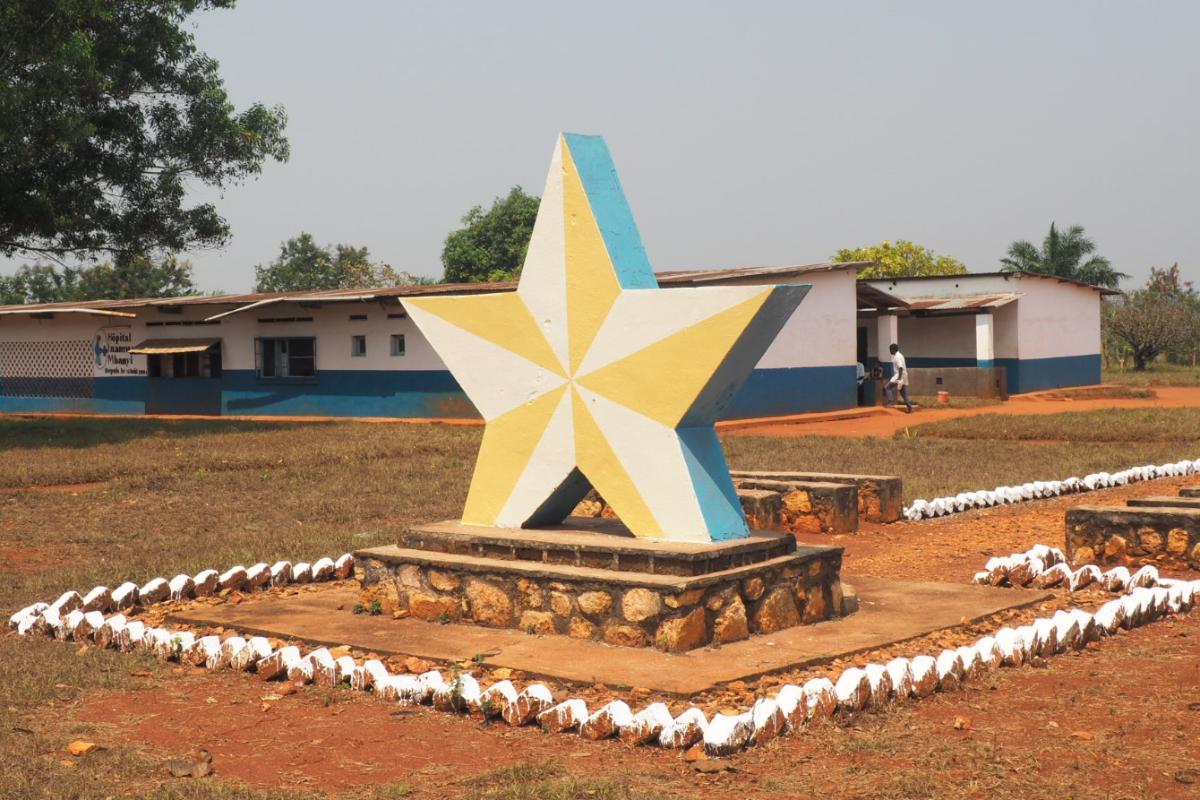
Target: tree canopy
point(1161, 317)
point(491, 244)
point(1062, 253)
point(108, 114)
point(136, 277)
point(304, 265)
point(900, 259)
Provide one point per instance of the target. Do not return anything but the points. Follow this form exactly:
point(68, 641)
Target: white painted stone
point(685, 730)
point(322, 569)
point(181, 587)
point(727, 734)
point(204, 583)
point(98, 599)
point(302, 572)
point(646, 725)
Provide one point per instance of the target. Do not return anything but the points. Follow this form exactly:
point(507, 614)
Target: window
point(358, 346)
point(397, 344)
point(185, 365)
point(285, 358)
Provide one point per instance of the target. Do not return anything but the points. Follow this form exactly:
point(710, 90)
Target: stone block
point(730, 623)
point(804, 506)
point(682, 633)
point(625, 636)
point(594, 604)
point(433, 607)
point(638, 605)
point(1118, 535)
point(880, 498)
point(489, 604)
point(776, 612)
point(538, 622)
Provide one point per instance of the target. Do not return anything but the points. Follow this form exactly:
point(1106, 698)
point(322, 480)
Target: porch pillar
point(887, 333)
point(985, 349)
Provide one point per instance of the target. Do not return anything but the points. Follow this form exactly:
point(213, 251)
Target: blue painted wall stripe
point(1036, 374)
point(794, 390)
point(607, 199)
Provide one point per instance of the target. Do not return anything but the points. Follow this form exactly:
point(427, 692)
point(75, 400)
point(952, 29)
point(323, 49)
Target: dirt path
point(886, 422)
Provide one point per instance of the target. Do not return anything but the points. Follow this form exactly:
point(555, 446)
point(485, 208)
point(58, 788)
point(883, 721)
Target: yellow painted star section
point(592, 285)
point(686, 361)
point(502, 319)
point(504, 455)
point(591, 375)
point(597, 459)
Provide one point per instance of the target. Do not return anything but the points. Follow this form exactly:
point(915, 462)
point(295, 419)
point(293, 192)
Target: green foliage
point(491, 244)
point(1162, 317)
point(1062, 254)
point(108, 114)
point(900, 259)
point(126, 278)
point(304, 265)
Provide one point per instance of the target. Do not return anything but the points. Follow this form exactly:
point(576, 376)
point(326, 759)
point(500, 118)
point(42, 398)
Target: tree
point(304, 265)
point(129, 278)
point(108, 115)
point(902, 259)
point(491, 244)
point(1062, 254)
point(1160, 317)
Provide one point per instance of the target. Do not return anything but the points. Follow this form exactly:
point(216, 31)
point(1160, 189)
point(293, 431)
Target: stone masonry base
point(586, 582)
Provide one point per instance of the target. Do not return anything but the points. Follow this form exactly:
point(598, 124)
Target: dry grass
point(1139, 425)
point(171, 497)
point(932, 467)
point(1161, 374)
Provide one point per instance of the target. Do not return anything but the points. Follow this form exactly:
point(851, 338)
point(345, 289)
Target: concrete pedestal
point(591, 579)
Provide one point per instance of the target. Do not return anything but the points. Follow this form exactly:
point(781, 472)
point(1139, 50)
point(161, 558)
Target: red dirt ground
point(1110, 722)
point(886, 422)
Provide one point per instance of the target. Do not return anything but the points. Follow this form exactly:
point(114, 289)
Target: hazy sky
point(744, 133)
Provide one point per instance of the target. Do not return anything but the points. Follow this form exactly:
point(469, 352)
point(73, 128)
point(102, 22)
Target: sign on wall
point(111, 353)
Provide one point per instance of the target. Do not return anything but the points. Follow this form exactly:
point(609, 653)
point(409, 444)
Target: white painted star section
point(663, 478)
point(641, 317)
point(552, 461)
point(496, 379)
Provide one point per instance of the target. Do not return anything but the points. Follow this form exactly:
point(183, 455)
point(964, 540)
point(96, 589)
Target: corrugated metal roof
point(162, 347)
point(670, 278)
point(703, 276)
point(61, 308)
point(962, 303)
point(1006, 275)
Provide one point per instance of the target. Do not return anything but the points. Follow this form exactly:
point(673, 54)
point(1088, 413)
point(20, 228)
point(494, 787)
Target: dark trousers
point(891, 395)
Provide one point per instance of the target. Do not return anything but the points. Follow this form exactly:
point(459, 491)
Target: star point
point(589, 375)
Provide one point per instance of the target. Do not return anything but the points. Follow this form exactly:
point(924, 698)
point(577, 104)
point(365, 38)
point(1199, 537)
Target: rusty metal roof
point(969, 302)
point(161, 347)
point(397, 293)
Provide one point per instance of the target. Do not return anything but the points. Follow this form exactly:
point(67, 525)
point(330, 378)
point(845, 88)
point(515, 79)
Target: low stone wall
point(799, 506)
point(1120, 535)
point(880, 497)
point(674, 614)
point(959, 381)
point(1190, 491)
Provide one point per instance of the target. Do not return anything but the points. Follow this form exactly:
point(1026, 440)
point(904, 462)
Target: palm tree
point(1062, 254)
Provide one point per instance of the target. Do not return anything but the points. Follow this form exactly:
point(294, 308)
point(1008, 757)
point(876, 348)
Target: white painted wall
point(1006, 330)
point(822, 330)
point(1057, 319)
point(938, 337)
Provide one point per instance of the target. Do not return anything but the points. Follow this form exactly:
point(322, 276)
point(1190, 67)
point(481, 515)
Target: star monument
point(590, 375)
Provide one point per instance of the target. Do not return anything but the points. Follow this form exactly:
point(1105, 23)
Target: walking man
point(899, 379)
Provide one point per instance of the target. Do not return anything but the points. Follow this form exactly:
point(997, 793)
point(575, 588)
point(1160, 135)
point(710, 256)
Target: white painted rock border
point(1148, 598)
point(1034, 490)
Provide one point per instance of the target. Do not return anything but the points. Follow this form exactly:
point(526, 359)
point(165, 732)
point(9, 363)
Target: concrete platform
point(890, 612)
